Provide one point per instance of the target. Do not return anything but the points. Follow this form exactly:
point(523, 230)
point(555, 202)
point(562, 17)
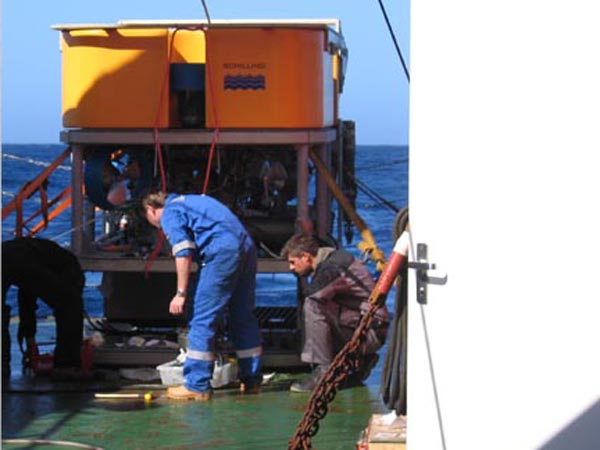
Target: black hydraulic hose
point(371, 193)
point(375, 196)
point(394, 374)
point(205, 6)
point(387, 21)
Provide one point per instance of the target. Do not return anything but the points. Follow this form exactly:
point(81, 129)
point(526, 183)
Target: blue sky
point(375, 94)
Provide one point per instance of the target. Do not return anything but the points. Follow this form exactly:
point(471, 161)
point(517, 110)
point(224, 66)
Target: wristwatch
point(180, 293)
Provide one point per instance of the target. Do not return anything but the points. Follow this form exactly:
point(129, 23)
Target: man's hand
point(176, 305)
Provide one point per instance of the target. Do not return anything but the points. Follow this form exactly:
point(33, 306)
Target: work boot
point(310, 383)
point(183, 393)
point(250, 372)
point(248, 389)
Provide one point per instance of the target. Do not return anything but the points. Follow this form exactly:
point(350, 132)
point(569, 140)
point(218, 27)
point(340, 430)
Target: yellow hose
point(368, 244)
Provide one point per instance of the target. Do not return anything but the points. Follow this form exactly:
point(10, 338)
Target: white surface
point(504, 186)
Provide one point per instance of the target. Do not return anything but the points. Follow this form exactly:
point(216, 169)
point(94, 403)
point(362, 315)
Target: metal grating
point(277, 317)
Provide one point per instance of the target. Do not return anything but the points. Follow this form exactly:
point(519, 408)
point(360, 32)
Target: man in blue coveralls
point(201, 228)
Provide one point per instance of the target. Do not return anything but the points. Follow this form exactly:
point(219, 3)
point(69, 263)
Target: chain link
point(324, 393)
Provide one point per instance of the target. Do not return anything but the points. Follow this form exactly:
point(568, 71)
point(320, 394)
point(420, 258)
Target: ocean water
point(382, 170)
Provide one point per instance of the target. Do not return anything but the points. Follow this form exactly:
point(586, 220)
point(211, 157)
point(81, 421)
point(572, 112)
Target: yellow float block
point(114, 78)
point(254, 77)
point(269, 78)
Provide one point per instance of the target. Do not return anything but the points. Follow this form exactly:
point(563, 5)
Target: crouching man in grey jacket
point(334, 300)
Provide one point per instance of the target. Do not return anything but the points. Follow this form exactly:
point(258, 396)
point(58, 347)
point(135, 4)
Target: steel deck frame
point(302, 139)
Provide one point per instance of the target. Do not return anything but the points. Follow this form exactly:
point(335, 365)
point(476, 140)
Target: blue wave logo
point(244, 82)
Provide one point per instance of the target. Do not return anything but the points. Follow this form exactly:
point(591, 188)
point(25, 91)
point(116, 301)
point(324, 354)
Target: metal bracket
point(422, 266)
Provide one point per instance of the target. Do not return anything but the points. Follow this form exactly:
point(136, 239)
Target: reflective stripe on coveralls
point(210, 356)
point(227, 279)
point(207, 356)
point(256, 351)
point(182, 246)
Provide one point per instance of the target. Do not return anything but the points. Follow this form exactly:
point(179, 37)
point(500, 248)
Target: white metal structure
point(504, 187)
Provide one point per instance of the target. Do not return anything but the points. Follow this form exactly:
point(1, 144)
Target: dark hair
point(300, 243)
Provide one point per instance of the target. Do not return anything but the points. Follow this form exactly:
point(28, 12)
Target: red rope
point(215, 139)
point(210, 158)
point(154, 254)
point(158, 151)
point(163, 90)
point(213, 103)
point(157, 145)
point(161, 163)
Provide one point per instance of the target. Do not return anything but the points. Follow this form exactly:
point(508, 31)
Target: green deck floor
point(34, 408)
point(229, 421)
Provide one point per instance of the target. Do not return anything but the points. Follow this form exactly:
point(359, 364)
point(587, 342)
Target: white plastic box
point(171, 373)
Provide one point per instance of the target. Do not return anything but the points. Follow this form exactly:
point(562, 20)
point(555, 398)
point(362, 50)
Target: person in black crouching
point(42, 269)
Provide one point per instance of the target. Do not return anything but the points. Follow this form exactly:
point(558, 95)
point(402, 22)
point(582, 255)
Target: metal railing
point(60, 203)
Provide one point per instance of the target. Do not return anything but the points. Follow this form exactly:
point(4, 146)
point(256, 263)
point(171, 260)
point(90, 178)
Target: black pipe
point(394, 374)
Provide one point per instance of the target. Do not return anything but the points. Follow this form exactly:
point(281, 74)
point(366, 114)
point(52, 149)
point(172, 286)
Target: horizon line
point(61, 143)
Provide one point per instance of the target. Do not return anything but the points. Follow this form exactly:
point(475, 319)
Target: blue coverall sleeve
point(175, 226)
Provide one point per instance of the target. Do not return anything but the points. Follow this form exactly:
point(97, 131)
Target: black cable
point(375, 196)
point(371, 193)
point(378, 166)
point(387, 21)
point(107, 328)
point(393, 376)
point(206, 11)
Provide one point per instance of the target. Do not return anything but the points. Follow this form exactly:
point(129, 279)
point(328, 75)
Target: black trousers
point(41, 269)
